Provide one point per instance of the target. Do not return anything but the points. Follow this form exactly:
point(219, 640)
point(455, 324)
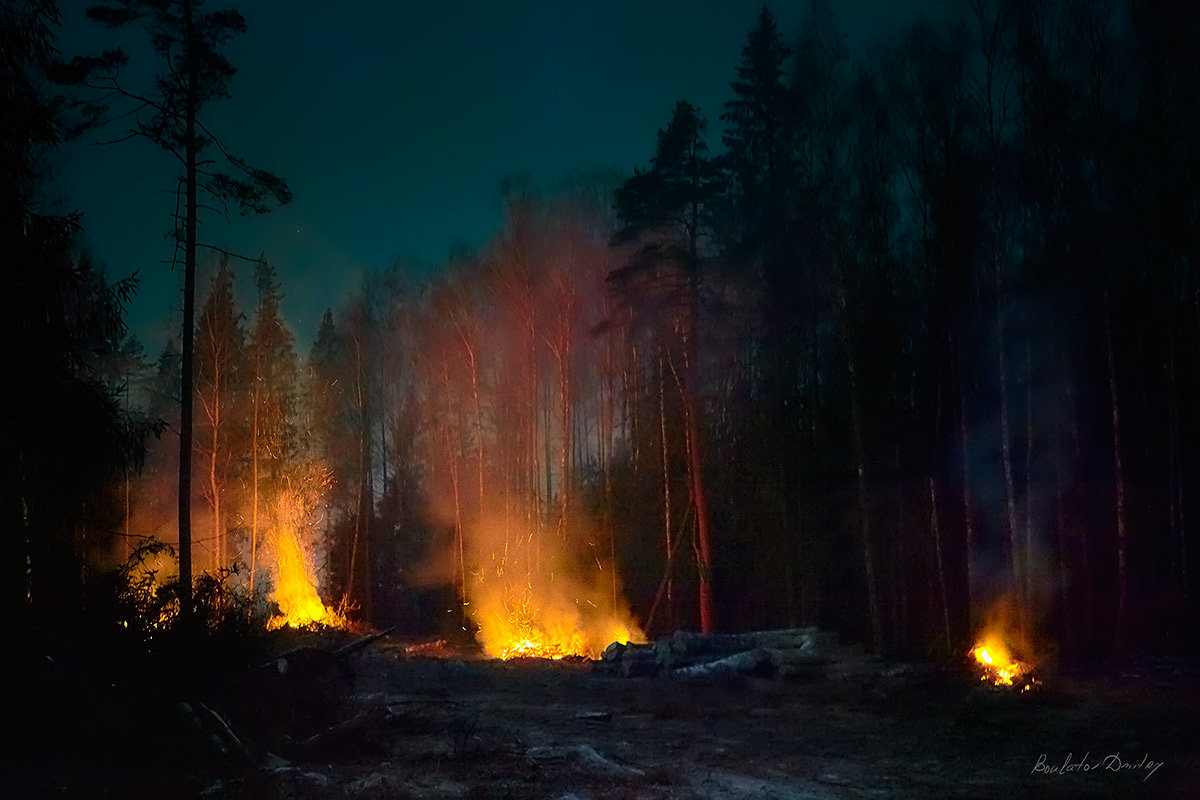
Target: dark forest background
point(889, 339)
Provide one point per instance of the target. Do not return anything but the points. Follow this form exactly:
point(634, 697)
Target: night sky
point(394, 124)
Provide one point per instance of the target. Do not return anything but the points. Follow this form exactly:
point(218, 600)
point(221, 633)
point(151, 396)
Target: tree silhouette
point(187, 42)
point(66, 437)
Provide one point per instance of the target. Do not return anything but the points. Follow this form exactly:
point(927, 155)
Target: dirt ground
point(428, 722)
point(464, 727)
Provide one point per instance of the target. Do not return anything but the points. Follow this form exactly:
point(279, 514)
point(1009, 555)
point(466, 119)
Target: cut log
point(749, 662)
point(685, 648)
point(628, 660)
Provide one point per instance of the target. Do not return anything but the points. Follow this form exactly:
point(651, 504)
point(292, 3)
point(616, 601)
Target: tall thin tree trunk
point(1010, 492)
point(1063, 572)
point(941, 568)
point(1178, 519)
point(187, 379)
point(1029, 484)
point(691, 399)
point(213, 484)
point(860, 467)
point(1118, 480)
point(669, 546)
point(256, 400)
point(968, 516)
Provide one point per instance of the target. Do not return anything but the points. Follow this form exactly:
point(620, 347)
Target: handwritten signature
point(1110, 763)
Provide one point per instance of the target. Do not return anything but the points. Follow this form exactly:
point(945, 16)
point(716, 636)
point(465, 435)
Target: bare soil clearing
point(405, 722)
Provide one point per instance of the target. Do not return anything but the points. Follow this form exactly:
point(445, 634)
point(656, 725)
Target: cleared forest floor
point(399, 725)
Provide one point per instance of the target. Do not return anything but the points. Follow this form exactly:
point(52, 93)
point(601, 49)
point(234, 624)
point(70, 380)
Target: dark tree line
point(67, 437)
point(917, 340)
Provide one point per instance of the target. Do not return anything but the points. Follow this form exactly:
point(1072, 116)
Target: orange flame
point(513, 624)
point(997, 665)
point(295, 582)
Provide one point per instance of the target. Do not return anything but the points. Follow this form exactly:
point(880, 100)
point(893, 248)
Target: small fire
point(998, 667)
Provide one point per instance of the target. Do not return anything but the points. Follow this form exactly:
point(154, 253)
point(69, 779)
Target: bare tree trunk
point(1029, 484)
point(1118, 479)
point(1068, 622)
point(941, 569)
point(256, 401)
point(668, 545)
point(213, 484)
point(1178, 519)
point(860, 461)
point(968, 517)
point(1010, 498)
point(191, 210)
point(691, 414)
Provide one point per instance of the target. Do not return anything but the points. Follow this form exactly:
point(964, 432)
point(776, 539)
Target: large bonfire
point(294, 581)
point(551, 606)
point(526, 621)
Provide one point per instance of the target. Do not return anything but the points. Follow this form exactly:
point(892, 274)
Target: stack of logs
point(789, 653)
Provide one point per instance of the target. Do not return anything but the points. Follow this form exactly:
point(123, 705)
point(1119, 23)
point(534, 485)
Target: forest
point(892, 343)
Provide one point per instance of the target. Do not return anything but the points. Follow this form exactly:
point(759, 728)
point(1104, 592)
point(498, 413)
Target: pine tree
point(187, 41)
point(667, 208)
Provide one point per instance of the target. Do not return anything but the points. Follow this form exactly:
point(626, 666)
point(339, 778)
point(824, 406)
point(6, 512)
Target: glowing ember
point(295, 580)
point(998, 667)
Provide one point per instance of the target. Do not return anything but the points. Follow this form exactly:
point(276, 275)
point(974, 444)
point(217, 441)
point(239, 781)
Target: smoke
point(1017, 589)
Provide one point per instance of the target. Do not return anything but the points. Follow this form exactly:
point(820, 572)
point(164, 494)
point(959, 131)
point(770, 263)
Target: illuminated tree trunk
point(700, 501)
point(366, 503)
point(256, 400)
point(666, 477)
point(213, 483)
point(472, 363)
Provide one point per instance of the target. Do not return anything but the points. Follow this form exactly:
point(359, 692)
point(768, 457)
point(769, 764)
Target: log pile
point(789, 653)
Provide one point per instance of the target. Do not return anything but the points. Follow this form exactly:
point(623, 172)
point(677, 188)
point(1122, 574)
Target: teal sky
point(395, 122)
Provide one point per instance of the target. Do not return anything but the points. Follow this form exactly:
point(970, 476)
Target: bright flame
point(997, 666)
point(295, 582)
point(515, 625)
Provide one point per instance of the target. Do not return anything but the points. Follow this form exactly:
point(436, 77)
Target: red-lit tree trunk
point(668, 535)
point(692, 421)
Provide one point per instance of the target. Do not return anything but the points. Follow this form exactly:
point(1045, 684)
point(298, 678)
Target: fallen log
point(749, 662)
point(628, 660)
point(686, 648)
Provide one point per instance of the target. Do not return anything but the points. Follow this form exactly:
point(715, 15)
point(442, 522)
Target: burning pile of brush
point(997, 666)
